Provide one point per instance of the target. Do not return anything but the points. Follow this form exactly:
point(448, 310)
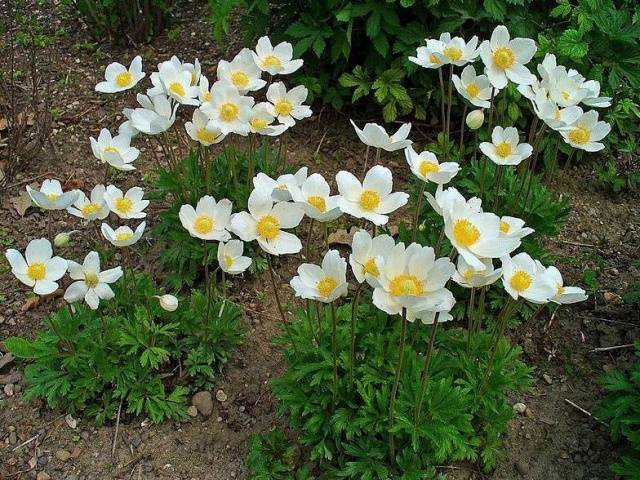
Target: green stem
point(424, 376)
point(396, 382)
point(334, 352)
point(417, 214)
point(354, 311)
point(470, 312)
point(207, 280)
point(280, 309)
point(496, 193)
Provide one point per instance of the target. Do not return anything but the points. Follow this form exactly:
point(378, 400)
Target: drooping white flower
point(476, 235)
point(474, 119)
point(266, 222)
point(325, 283)
point(475, 88)
point(38, 268)
point(505, 147)
point(372, 199)
point(156, 116)
point(119, 78)
point(122, 236)
point(276, 60)
point(456, 51)
point(51, 197)
point(261, 121)
point(444, 200)
point(505, 59)
point(126, 128)
point(376, 136)
point(521, 277)
point(468, 277)
point(513, 227)
point(176, 83)
point(200, 131)
point(287, 106)
point(230, 257)
point(228, 111)
point(586, 132)
point(364, 252)
point(427, 56)
point(279, 188)
point(209, 220)
point(242, 72)
point(116, 151)
point(564, 295)
point(426, 167)
point(127, 205)
point(91, 284)
point(93, 208)
point(314, 197)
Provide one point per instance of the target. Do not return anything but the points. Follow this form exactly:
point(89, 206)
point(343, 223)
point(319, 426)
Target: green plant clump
point(131, 352)
point(272, 457)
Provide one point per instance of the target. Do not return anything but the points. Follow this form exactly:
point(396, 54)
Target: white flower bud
point(62, 240)
point(475, 119)
point(167, 302)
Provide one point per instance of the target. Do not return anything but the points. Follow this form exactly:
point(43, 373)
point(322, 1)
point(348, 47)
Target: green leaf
point(495, 8)
point(570, 44)
point(20, 347)
point(381, 44)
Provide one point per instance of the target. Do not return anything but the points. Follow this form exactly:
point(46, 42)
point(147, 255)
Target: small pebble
point(63, 455)
point(519, 407)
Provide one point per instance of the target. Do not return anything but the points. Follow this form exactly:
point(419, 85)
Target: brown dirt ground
point(556, 441)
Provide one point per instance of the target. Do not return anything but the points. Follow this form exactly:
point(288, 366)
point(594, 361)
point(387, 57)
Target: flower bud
point(167, 302)
point(62, 240)
point(475, 119)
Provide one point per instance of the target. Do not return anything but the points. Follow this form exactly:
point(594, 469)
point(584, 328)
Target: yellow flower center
point(228, 261)
point(503, 58)
point(566, 95)
point(110, 149)
point(203, 224)
point(469, 274)
point(91, 279)
point(406, 285)
point(194, 78)
point(369, 200)
point(433, 58)
point(240, 79)
point(271, 61)
point(326, 285)
point(124, 79)
point(579, 135)
point(124, 236)
point(520, 281)
point(559, 289)
point(557, 115)
point(453, 53)
point(124, 205)
point(504, 149)
point(177, 89)
point(90, 209)
point(206, 136)
point(268, 227)
point(52, 197)
point(465, 232)
point(258, 123)
point(206, 96)
point(36, 271)
point(473, 90)
point(428, 167)
point(229, 112)
point(318, 202)
point(504, 227)
point(283, 107)
point(370, 267)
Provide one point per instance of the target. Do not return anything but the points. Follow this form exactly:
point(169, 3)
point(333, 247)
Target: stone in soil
point(63, 455)
point(203, 402)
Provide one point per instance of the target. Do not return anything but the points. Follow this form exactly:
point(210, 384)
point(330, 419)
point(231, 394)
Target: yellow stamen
point(194, 78)
point(36, 271)
point(271, 61)
point(229, 112)
point(177, 89)
point(433, 59)
point(268, 227)
point(124, 236)
point(469, 274)
point(473, 90)
point(110, 149)
point(91, 279)
point(559, 290)
point(283, 107)
point(520, 281)
point(579, 135)
point(453, 53)
point(203, 224)
point(240, 79)
point(318, 202)
point(206, 96)
point(52, 197)
point(228, 261)
point(428, 167)
point(90, 209)
point(566, 95)
point(124, 205)
point(326, 285)
point(406, 285)
point(504, 149)
point(369, 200)
point(258, 123)
point(124, 79)
point(370, 267)
point(503, 58)
point(206, 136)
point(504, 227)
point(465, 232)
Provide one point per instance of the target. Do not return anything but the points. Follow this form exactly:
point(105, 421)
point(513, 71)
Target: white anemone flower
point(426, 167)
point(204, 92)
point(230, 257)
point(565, 90)
point(276, 60)
point(476, 235)
point(116, 151)
point(428, 56)
point(91, 284)
point(209, 220)
point(593, 98)
point(279, 188)
point(456, 51)
point(522, 277)
point(475, 88)
point(51, 197)
point(126, 128)
point(176, 83)
point(324, 283)
point(414, 279)
point(372, 199)
point(38, 268)
point(365, 251)
point(512, 227)
point(314, 197)
point(564, 295)
point(122, 236)
point(444, 200)
point(90, 208)
point(468, 277)
point(228, 111)
point(287, 106)
point(242, 72)
point(167, 302)
point(373, 135)
point(200, 130)
point(505, 59)
point(119, 78)
point(266, 222)
point(261, 121)
point(127, 205)
point(505, 147)
point(586, 132)
point(551, 114)
point(156, 117)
